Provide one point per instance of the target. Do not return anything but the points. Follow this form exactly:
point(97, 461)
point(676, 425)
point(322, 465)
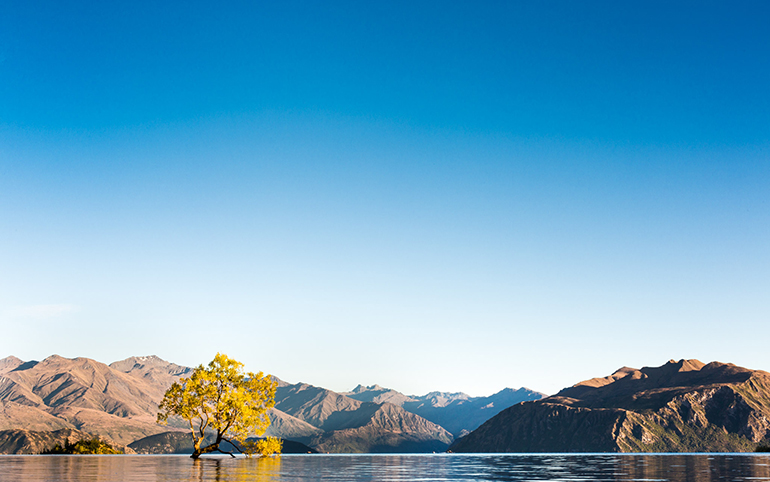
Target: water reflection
point(220, 470)
point(390, 468)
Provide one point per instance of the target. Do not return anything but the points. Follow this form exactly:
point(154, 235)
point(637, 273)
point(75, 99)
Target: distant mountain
point(458, 413)
point(378, 394)
point(683, 406)
point(349, 425)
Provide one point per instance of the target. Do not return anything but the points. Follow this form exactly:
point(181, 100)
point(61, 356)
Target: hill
point(684, 406)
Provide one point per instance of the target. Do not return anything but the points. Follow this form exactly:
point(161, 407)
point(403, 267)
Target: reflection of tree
point(263, 469)
point(196, 470)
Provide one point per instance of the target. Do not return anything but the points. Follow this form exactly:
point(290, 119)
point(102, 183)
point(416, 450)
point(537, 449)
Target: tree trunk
point(198, 451)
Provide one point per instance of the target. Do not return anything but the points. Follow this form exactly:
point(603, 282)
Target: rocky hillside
point(683, 406)
point(458, 413)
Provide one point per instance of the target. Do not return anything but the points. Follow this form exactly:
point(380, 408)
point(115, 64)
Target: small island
point(84, 447)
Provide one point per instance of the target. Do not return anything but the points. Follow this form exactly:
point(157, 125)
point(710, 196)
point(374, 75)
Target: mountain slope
point(681, 406)
point(285, 426)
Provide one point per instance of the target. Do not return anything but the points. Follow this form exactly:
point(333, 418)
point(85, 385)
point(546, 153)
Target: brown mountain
point(80, 394)
point(683, 406)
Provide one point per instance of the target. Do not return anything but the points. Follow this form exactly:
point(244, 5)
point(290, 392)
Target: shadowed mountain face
point(683, 406)
point(458, 413)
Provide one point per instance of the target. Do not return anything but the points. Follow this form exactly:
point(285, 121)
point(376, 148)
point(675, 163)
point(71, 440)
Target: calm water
point(434, 468)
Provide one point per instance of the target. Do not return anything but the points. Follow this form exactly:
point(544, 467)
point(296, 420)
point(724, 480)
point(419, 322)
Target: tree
point(264, 447)
point(223, 399)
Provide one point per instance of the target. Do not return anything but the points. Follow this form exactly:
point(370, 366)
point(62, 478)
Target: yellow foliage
point(264, 447)
point(220, 398)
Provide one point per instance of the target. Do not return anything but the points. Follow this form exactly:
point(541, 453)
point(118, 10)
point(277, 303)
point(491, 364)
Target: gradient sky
point(455, 196)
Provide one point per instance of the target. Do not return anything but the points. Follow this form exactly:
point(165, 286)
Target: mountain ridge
point(681, 406)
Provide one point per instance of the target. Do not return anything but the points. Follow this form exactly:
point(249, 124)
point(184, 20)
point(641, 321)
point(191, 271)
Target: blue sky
point(424, 195)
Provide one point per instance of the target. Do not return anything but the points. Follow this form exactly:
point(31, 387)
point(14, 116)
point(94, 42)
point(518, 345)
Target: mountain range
point(119, 402)
point(681, 406)
point(457, 412)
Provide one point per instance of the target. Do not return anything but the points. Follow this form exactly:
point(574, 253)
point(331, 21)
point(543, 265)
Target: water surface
point(358, 468)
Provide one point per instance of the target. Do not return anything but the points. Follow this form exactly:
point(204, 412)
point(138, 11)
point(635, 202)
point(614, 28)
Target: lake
point(393, 468)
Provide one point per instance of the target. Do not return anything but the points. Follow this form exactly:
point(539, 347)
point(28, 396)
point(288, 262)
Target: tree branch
point(234, 444)
point(228, 453)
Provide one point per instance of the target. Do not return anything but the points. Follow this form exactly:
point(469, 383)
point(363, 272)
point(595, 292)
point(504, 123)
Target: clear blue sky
point(425, 195)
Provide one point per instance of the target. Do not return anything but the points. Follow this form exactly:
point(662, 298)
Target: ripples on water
point(433, 468)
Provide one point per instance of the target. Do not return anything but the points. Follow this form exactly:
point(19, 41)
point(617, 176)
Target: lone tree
point(222, 398)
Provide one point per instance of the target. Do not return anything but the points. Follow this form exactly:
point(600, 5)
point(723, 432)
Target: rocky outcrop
point(683, 406)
